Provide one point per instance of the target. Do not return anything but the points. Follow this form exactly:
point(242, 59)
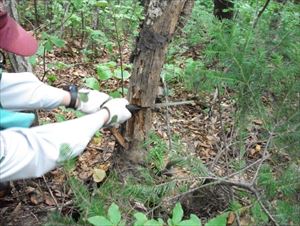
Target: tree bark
point(223, 9)
point(18, 63)
point(185, 14)
point(161, 19)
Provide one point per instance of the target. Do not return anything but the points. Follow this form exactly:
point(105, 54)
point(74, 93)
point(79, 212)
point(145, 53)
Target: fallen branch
point(250, 187)
point(249, 166)
point(245, 186)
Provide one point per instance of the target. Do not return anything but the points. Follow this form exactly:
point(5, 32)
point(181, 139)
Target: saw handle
point(133, 108)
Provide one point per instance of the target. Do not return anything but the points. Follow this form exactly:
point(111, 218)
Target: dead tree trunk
point(19, 64)
point(161, 19)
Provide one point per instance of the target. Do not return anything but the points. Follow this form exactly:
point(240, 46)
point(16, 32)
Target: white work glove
point(118, 113)
point(91, 101)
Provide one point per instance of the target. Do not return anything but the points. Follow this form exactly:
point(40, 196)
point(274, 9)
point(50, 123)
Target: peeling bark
point(161, 20)
point(185, 14)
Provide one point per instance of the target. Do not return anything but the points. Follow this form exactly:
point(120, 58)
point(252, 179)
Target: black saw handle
point(133, 108)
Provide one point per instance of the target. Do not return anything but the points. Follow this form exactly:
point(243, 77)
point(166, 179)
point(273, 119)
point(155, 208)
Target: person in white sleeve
point(31, 152)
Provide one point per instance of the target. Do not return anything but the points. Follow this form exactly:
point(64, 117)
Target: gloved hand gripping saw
point(133, 110)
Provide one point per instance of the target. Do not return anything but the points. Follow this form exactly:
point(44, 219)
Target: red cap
point(14, 39)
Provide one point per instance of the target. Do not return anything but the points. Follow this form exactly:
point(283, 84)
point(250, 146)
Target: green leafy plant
point(92, 83)
point(142, 220)
point(108, 70)
point(177, 216)
point(46, 45)
point(113, 218)
point(105, 71)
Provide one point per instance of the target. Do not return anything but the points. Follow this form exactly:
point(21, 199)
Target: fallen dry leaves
point(231, 218)
point(98, 175)
point(198, 126)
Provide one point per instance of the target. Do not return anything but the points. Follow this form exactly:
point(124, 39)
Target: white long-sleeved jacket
point(31, 152)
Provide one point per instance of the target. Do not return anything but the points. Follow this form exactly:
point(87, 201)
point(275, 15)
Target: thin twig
point(263, 156)
point(237, 217)
point(44, 65)
point(261, 12)
point(167, 113)
point(250, 188)
point(245, 186)
point(82, 28)
point(264, 207)
point(249, 166)
point(120, 51)
point(52, 30)
point(35, 217)
point(50, 191)
point(223, 137)
point(224, 145)
point(63, 191)
point(232, 199)
point(64, 19)
point(36, 15)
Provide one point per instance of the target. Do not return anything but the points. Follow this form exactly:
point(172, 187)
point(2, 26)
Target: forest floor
point(199, 126)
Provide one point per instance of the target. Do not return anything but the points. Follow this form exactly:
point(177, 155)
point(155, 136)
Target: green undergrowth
point(152, 197)
point(257, 69)
point(142, 199)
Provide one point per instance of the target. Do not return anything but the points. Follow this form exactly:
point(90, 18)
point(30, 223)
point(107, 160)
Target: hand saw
point(135, 108)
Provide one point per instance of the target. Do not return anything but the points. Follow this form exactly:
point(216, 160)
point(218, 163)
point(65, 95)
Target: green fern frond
point(289, 182)
point(259, 215)
point(56, 219)
point(97, 207)
point(146, 175)
point(164, 188)
point(157, 149)
point(287, 213)
point(87, 203)
point(190, 163)
point(146, 193)
point(81, 194)
point(267, 181)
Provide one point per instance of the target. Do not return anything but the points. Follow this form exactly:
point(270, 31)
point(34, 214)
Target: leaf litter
point(198, 125)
